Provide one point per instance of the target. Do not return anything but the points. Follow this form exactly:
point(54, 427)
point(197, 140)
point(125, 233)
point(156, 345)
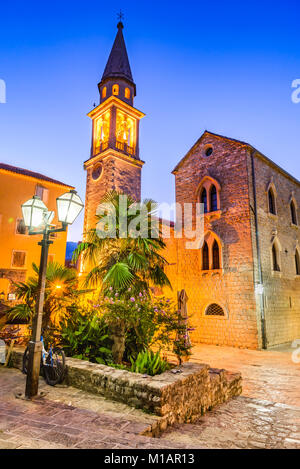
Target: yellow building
point(18, 250)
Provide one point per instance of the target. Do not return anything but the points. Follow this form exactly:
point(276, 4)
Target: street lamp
point(37, 218)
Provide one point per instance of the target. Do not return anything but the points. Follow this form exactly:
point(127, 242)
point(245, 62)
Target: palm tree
point(60, 293)
point(125, 262)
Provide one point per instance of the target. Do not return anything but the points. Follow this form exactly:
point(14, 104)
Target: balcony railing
point(101, 147)
point(125, 148)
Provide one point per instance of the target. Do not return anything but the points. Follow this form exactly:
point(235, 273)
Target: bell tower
point(114, 162)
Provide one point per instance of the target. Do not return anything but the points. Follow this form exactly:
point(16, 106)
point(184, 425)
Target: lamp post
point(37, 218)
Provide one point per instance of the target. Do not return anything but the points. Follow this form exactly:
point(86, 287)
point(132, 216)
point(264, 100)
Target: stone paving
point(267, 415)
point(69, 418)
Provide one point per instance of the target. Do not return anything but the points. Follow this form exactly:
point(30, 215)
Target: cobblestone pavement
point(69, 418)
point(267, 415)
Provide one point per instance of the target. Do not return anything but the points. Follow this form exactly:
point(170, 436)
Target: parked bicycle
point(53, 364)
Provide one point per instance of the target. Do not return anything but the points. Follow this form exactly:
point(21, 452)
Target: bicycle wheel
point(55, 367)
point(25, 362)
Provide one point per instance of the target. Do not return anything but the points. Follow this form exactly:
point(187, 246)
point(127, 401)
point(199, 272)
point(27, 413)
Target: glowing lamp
point(69, 206)
point(33, 212)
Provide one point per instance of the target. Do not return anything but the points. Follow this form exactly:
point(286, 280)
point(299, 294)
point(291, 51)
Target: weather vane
point(120, 16)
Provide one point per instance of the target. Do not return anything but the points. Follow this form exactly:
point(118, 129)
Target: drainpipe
point(260, 274)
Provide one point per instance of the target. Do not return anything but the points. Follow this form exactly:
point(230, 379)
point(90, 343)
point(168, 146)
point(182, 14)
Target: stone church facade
point(243, 284)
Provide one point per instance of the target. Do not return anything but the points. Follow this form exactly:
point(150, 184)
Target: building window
point(205, 257)
point(115, 90)
point(297, 262)
point(211, 253)
point(203, 199)
point(213, 199)
point(42, 193)
point(214, 310)
point(216, 255)
point(18, 259)
point(275, 262)
point(20, 226)
point(271, 200)
point(208, 150)
point(104, 92)
point(127, 93)
point(209, 190)
point(293, 213)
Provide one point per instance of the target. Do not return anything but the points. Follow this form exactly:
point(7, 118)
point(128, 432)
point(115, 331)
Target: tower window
point(104, 92)
point(213, 199)
point(216, 255)
point(203, 199)
point(115, 90)
point(276, 267)
point(293, 213)
point(297, 262)
point(205, 257)
point(214, 310)
point(271, 200)
point(127, 93)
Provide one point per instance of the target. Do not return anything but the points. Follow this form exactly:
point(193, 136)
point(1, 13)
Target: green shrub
point(84, 335)
point(149, 363)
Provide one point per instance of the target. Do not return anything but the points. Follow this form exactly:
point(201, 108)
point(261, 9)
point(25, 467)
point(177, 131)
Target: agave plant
point(149, 363)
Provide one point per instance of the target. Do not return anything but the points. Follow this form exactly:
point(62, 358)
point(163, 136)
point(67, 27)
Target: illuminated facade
point(243, 284)
point(18, 249)
point(114, 163)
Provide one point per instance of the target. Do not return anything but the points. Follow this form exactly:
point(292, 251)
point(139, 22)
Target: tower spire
point(118, 66)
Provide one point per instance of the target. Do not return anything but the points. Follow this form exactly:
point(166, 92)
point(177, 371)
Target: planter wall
point(181, 397)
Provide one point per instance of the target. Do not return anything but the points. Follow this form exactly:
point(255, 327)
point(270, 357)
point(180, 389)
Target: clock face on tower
point(97, 171)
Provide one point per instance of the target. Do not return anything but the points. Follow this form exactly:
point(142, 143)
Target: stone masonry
point(175, 397)
point(234, 285)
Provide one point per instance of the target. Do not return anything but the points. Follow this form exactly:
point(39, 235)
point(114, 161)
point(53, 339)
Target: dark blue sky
point(222, 66)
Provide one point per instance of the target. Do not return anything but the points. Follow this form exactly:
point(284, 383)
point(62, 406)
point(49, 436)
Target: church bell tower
point(114, 163)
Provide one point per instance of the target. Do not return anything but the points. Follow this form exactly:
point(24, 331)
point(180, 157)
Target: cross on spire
point(120, 16)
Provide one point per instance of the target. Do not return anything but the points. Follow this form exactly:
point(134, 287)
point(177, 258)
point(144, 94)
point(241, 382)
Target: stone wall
point(281, 289)
point(180, 397)
point(231, 286)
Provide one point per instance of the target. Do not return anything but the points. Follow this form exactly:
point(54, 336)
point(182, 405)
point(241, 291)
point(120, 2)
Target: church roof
point(239, 142)
point(118, 62)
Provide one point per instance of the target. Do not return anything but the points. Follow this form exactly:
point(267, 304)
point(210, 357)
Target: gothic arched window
point(127, 93)
point(271, 200)
point(216, 255)
point(104, 92)
point(213, 199)
point(205, 257)
point(293, 213)
point(297, 262)
point(275, 263)
point(203, 199)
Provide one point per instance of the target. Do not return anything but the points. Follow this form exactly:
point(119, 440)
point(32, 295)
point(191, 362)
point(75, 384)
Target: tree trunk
point(118, 336)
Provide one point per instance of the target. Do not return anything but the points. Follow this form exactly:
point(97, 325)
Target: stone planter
point(175, 397)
